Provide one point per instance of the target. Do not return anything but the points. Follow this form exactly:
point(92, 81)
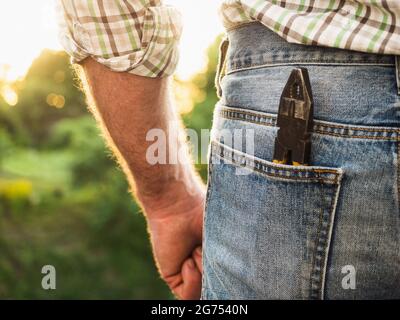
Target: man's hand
point(171, 194)
point(176, 235)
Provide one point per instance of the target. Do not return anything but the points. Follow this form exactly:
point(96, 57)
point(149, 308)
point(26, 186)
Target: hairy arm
point(127, 107)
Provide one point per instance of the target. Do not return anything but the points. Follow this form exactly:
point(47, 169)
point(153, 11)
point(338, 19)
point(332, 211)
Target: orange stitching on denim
point(331, 222)
point(230, 109)
point(249, 113)
point(275, 167)
point(315, 292)
point(250, 121)
point(358, 128)
point(285, 177)
point(398, 174)
point(354, 136)
point(290, 170)
point(344, 63)
point(279, 175)
point(325, 246)
point(226, 110)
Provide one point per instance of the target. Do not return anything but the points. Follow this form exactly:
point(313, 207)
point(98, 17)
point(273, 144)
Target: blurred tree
point(5, 145)
point(201, 115)
point(47, 94)
point(63, 200)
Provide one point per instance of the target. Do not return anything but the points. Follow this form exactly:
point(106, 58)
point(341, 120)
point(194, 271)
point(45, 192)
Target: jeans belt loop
point(398, 73)
point(223, 49)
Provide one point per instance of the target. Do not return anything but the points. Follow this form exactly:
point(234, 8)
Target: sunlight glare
point(9, 95)
point(201, 25)
point(27, 27)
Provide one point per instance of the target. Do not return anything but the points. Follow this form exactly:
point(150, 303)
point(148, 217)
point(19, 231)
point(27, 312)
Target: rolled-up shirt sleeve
point(135, 36)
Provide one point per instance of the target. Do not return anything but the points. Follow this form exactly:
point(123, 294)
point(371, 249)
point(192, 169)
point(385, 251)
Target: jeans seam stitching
point(208, 196)
point(304, 179)
point(233, 69)
point(397, 63)
point(355, 136)
point(315, 292)
point(231, 116)
point(329, 219)
point(398, 172)
point(291, 169)
point(330, 231)
point(318, 172)
point(219, 145)
point(338, 126)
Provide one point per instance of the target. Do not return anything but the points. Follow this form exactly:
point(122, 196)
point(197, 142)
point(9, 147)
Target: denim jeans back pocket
point(282, 231)
point(267, 226)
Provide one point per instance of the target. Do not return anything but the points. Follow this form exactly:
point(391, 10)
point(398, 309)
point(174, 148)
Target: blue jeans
point(330, 230)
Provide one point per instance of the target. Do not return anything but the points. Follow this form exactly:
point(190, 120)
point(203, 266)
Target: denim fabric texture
point(281, 231)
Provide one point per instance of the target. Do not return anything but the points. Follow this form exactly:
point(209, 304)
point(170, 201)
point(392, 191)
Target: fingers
point(187, 284)
point(198, 259)
point(191, 286)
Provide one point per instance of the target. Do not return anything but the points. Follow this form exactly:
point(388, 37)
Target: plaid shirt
point(136, 36)
point(361, 25)
point(141, 36)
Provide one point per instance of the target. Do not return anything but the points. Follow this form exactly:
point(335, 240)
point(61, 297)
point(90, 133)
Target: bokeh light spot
point(9, 95)
point(55, 100)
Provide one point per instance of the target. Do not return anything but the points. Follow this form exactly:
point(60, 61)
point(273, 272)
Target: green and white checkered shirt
point(141, 36)
point(136, 36)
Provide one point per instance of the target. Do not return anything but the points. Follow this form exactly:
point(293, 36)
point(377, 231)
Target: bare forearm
point(128, 107)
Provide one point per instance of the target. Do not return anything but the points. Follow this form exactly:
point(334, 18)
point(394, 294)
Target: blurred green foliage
point(63, 200)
